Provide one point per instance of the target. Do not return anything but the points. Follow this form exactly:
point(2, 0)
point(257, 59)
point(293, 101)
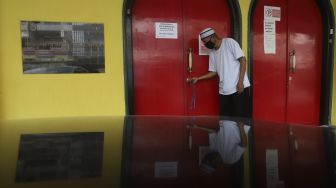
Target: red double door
point(160, 65)
point(287, 84)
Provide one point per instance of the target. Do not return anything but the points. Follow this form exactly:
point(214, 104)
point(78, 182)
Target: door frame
point(236, 29)
point(328, 24)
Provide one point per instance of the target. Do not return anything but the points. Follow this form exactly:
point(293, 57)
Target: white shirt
point(225, 62)
point(227, 141)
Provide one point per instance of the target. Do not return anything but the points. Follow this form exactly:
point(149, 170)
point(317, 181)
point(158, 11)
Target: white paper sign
point(269, 37)
point(272, 13)
point(165, 30)
point(269, 27)
point(202, 50)
point(165, 169)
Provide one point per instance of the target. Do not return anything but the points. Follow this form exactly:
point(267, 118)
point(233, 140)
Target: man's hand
point(240, 87)
point(193, 80)
point(240, 125)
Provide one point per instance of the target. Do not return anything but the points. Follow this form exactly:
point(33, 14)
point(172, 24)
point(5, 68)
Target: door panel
point(198, 16)
point(281, 94)
point(160, 65)
point(269, 70)
point(305, 37)
point(158, 86)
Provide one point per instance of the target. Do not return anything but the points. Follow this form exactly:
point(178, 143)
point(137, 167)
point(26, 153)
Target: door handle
point(190, 60)
point(292, 61)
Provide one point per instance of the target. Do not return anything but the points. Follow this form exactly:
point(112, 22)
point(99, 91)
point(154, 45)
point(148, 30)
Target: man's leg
point(226, 105)
point(242, 107)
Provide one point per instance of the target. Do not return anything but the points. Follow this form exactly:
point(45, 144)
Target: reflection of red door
point(288, 90)
point(166, 139)
point(160, 65)
point(301, 155)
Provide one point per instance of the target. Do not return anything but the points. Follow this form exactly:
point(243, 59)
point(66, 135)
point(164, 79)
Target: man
point(227, 60)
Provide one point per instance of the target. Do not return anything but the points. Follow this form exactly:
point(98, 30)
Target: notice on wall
point(165, 30)
point(165, 169)
point(271, 16)
point(269, 37)
point(202, 50)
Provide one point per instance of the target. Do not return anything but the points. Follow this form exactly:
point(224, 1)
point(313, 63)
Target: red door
point(287, 83)
point(160, 65)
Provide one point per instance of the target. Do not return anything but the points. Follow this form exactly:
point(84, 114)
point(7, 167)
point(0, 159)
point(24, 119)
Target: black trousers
point(236, 105)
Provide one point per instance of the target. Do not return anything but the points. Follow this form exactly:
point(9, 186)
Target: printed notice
point(202, 50)
point(165, 169)
point(165, 30)
point(272, 13)
point(269, 37)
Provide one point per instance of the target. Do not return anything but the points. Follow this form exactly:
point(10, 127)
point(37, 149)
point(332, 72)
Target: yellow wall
point(333, 112)
point(60, 95)
point(244, 8)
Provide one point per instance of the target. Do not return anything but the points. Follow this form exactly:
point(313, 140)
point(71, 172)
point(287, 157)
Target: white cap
point(206, 32)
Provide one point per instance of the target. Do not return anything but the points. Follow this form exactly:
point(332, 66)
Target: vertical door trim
point(328, 24)
point(128, 56)
point(327, 56)
point(252, 8)
point(128, 46)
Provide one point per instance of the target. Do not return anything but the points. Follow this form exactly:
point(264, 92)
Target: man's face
point(209, 42)
point(207, 39)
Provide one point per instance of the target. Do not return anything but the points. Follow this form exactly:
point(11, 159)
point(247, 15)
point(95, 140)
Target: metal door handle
point(190, 60)
point(292, 61)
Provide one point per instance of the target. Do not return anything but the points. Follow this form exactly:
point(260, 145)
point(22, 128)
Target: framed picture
point(62, 47)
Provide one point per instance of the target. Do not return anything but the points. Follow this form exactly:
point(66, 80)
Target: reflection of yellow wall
point(11, 130)
point(60, 95)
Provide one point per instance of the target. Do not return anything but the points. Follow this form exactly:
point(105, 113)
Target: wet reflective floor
point(165, 151)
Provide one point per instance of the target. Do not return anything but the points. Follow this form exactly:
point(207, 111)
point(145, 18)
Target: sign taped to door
point(165, 30)
point(202, 50)
point(271, 15)
point(269, 37)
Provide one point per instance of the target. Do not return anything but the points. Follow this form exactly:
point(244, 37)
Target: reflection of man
point(227, 145)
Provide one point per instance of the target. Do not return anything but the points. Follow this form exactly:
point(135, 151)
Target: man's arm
point(242, 133)
point(202, 128)
point(242, 70)
point(209, 75)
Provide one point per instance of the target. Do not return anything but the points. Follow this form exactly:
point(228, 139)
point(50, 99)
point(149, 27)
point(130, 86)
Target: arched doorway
point(291, 67)
point(156, 67)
